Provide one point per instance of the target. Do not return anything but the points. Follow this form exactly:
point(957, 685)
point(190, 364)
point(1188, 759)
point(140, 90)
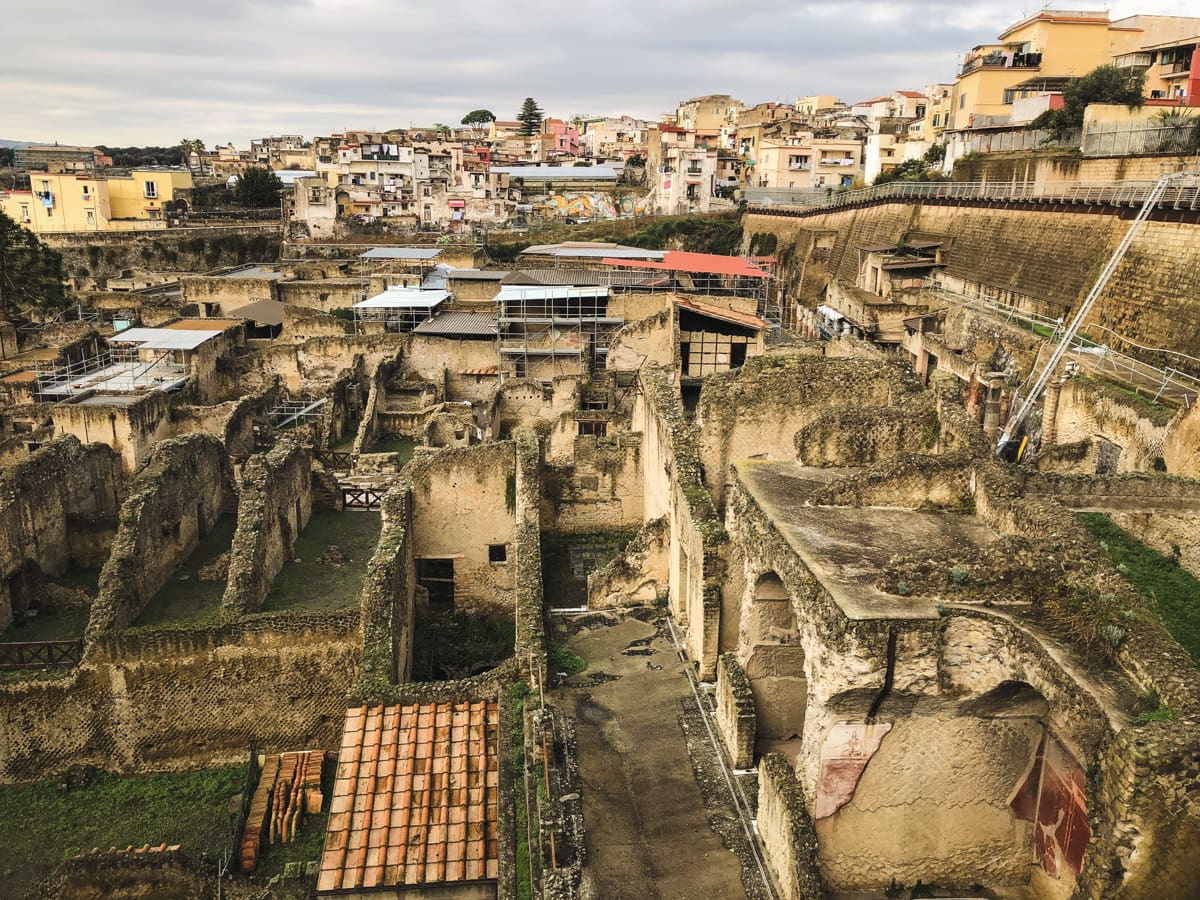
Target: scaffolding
point(117, 370)
point(395, 267)
point(291, 412)
point(399, 309)
point(547, 331)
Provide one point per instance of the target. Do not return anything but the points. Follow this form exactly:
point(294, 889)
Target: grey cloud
point(137, 71)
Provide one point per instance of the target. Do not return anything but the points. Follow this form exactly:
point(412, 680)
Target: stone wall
point(174, 699)
point(1051, 255)
point(463, 504)
point(388, 598)
point(673, 485)
point(861, 435)
point(651, 340)
point(57, 507)
point(735, 715)
point(169, 250)
point(215, 295)
point(601, 489)
point(172, 502)
point(786, 831)
point(446, 361)
point(132, 429)
point(639, 576)
point(274, 505)
point(756, 411)
point(1087, 412)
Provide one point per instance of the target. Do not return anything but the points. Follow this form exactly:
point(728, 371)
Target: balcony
point(47, 198)
point(1002, 61)
point(839, 162)
point(800, 167)
point(694, 171)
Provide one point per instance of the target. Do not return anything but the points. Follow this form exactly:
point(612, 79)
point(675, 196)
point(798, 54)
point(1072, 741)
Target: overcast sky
point(153, 71)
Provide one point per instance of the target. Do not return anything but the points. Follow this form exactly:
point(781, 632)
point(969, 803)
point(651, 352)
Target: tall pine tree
point(530, 117)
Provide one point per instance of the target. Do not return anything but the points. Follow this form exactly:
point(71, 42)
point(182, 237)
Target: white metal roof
point(600, 253)
point(548, 292)
point(404, 298)
point(400, 253)
point(557, 173)
point(163, 338)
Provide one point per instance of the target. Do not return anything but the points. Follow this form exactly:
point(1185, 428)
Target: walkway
point(659, 819)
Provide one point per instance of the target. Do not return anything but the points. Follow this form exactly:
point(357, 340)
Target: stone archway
point(774, 664)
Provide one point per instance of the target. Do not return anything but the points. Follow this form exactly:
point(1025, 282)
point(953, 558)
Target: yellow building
point(938, 112)
point(1050, 43)
point(1058, 44)
point(96, 202)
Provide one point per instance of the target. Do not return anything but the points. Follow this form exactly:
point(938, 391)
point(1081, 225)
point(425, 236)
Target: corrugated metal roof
point(459, 323)
point(512, 292)
point(557, 173)
point(400, 253)
point(163, 338)
point(416, 801)
point(475, 275)
point(696, 263)
point(404, 298)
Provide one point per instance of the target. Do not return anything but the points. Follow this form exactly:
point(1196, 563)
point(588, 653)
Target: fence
point(1094, 354)
point(1184, 194)
point(1012, 141)
point(41, 655)
point(1175, 134)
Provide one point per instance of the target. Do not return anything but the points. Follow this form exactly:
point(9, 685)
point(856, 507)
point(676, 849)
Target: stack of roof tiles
point(415, 801)
point(289, 786)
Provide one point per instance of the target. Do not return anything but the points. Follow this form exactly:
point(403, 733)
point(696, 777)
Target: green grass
point(456, 645)
point(310, 586)
point(564, 659)
point(1173, 591)
point(49, 625)
point(187, 601)
point(402, 445)
point(42, 824)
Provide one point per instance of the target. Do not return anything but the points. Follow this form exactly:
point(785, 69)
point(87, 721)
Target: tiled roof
point(415, 802)
point(719, 312)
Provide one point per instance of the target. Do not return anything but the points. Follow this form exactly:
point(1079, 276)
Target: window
point(24, 214)
point(425, 192)
point(437, 577)
point(151, 190)
point(497, 553)
point(599, 429)
point(91, 217)
point(962, 101)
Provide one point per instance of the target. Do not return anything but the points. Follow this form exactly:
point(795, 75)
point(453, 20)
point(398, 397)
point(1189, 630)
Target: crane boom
point(1081, 314)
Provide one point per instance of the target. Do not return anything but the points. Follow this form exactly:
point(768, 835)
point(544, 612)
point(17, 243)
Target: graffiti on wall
point(594, 205)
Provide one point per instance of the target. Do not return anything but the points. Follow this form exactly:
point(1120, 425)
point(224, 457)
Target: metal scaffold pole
point(1013, 426)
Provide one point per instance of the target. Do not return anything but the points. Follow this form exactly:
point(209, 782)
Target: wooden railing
point(41, 655)
point(338, 460)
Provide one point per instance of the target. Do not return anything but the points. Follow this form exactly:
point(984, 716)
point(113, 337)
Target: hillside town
point(781, 500)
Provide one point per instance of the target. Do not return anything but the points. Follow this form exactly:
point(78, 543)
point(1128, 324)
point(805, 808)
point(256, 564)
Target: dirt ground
point(659, 818)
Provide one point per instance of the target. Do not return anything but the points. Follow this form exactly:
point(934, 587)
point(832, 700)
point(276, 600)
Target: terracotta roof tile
point(415, 801)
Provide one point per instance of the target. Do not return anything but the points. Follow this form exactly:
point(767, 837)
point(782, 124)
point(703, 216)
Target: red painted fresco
point(844, 756)
point(1054, 798)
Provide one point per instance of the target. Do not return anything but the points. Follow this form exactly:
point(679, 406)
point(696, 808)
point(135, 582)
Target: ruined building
point(359, 544)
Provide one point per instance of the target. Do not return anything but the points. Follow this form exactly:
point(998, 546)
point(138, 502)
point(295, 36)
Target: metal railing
point(1095, 354)
point(1185, 194)
point(1175, 135)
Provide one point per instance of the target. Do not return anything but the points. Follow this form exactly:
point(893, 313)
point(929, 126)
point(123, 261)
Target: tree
point(30, 272)
point(6, 157)
point(188, 146)
point(1104, 84)
point(479, 119)
point(258, 188)
point(530, 117)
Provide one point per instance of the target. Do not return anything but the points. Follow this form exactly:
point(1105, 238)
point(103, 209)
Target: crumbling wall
point(57, 507)
point(389, 596)
point(228, 294)
point(172, 502)
point(172, 699)
point(460, 365)
point(601, 489)
point(639, 574)
point(464, 503)
point(274, 505)
point(674, 489)
point(735, 716)
point(132, 429)
point(786, 831)
point(1086, 412)
point(757, 410)
point(649, 340)
point(854, 436)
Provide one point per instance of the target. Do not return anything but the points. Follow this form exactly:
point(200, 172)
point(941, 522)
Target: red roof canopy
point(698, 263)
